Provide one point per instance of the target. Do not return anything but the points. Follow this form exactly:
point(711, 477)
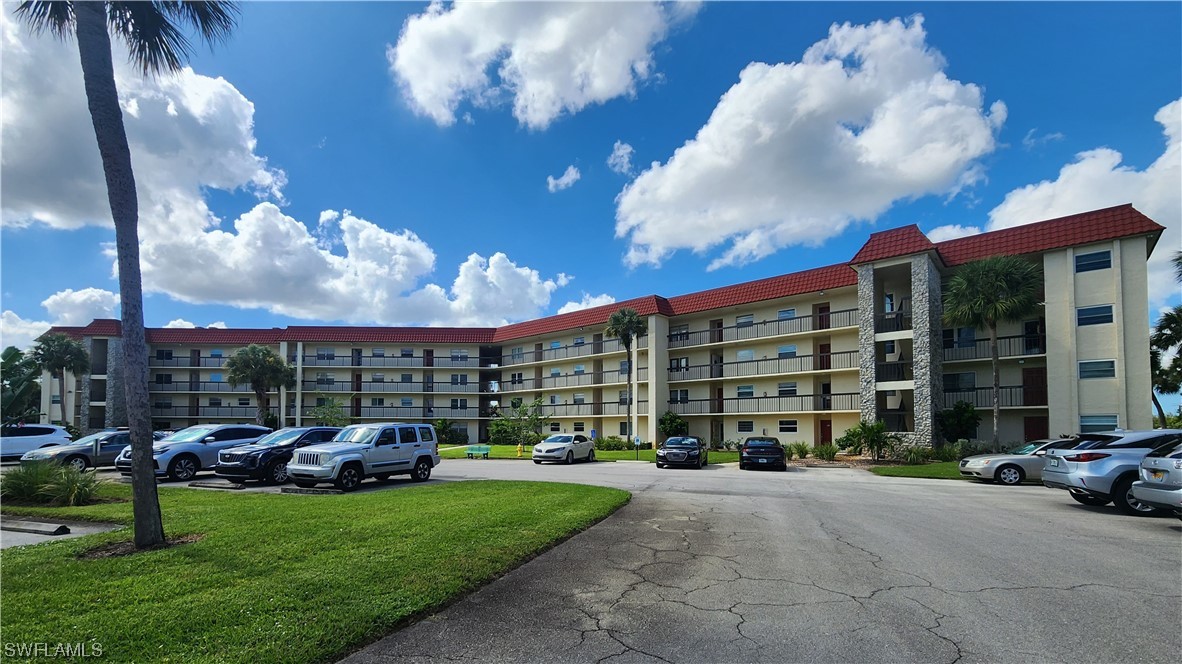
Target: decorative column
point(927, 349)
point(867, 359)
point(658, 375)
point(116, 397)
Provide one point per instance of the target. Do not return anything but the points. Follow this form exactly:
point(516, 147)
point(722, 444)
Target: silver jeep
point(359, 451)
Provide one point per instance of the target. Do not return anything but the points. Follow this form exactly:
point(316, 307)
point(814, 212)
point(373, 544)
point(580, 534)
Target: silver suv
point(1102, 467)
point(367, 450)
point(1161, 479)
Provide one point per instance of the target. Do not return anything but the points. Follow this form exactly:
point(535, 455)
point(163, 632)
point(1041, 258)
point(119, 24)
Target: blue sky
point(954, 115)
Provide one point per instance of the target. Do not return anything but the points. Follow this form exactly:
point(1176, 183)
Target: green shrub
point(611, 444)
point(825, 452)
point(949, 452)
point(914, 456)
point(801, 450)
point(27, 481)
point(44, 482)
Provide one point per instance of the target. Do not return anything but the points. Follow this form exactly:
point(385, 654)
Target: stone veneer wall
point(867, 362)
point(116, 398)
point(84, 394)
point(927, 348)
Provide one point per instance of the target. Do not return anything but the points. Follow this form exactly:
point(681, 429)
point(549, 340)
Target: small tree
point(958, 422)
point(262, 369)
point(522, 423)
point(448, 434)
point(870, 437)
point(330, 412)
point(19, 376)
point(672, 424)
point(59, 355)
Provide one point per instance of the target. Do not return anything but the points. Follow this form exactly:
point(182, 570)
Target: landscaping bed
point(942, 470)
point(281, 578)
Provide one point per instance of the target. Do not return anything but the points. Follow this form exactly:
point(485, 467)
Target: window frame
point(1094, 317)
point(1090, 262)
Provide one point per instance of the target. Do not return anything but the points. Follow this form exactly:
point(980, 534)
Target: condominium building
point(802, 356)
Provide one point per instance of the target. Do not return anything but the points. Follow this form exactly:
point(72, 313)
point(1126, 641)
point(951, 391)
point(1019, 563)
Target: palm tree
point(1167, 337)
point(1167, 379)
point(987, 293)
point(156, 44)
point(627, 325)
point(59, 355)
point(21, 390)
point(262, 369)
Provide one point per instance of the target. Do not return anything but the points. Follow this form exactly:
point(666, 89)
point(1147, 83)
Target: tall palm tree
point(627, 325)
point(1166, 379)
point(156, 43)
point(59, 355)
point(987, 293)
point(1167, 338)
point(262, 369)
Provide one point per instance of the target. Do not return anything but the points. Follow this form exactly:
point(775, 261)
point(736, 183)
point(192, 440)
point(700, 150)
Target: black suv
point(682, 451)
point(267, 458)
point(762, 452)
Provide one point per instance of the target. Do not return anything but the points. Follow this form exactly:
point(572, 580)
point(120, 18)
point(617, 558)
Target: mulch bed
point(127, 547)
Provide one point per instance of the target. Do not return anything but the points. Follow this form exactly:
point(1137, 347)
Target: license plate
point(763, 460)
point(1052, 462)
point(1158, 475)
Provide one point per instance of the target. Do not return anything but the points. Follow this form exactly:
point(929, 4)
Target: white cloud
point(549, 58)
point(68, 307)
point(568, 178)
point(179, 323)
point(587, 302)
point(620, 159)
point(218, 324)
point(1098, 179)
point(16, 331)
point(1033, 140)
point(794, 153)
point(951, 232)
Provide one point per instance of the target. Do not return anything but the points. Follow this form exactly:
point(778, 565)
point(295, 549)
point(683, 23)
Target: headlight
point(157, 451)
point(251, 461)
point(693, 452)
point(33, 456)
point(660, 452)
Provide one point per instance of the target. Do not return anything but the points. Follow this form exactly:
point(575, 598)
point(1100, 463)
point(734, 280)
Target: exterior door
point(718, 402)
point(715, 331)
point(1034, 337)
point(823, 316)
point(1034, 386)
point(823, 356)
point(1036, 427)
point(826, 433)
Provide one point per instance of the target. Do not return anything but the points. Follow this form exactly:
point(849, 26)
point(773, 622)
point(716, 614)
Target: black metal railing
point(768, 366)
point(771, 328)
point(890, 371)
point(801, 403)
point(185, 361)
point(1008, 396)
point(613, 377)
point(895, 321)
point(570, 351)
point(1009, 346)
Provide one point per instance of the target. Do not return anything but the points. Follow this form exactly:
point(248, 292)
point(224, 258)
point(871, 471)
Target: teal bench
point(478, 451)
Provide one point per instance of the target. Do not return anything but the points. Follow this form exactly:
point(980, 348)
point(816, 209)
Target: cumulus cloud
point(620, 160)
point(179, 323)
point(68, 307)
point(952, 232)
point(16, 331)
point(549, 58)
point(795, 152)
point(587, 302)
point(564, 181)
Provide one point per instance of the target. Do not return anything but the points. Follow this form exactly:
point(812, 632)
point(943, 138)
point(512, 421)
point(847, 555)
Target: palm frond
point(214, 21)
point(57, 18)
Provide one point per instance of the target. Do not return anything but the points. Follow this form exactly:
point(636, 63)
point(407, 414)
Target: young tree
point(262, 369)
point(21, 387)
point(672, 424)
point(59, 355)
point(987, 293)
point(152, 32)
point(1166, 340)
point(957, 422)
point(627, 325)
point(330, 413)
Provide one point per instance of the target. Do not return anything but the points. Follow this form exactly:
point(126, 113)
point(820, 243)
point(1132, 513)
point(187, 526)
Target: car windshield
point(681, 442)
point(762, 442)
point(559, 439)
point(355, 435)
point(1172, 450)
point(90, 440)
point(190, 435)
point(281, 437)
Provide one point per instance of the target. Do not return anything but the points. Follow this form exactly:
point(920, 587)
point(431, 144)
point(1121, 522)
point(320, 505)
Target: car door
point(582, 447)
point(408, 442)
point(224, 439)
point(110, 447)
point(16, 440)
point(383, 455)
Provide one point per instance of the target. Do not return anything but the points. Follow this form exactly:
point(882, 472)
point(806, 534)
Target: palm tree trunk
point(61, 397)
point(260, 415)
point(996, 388)
point(628, 380)
point(1161, 413)
point(98, 74)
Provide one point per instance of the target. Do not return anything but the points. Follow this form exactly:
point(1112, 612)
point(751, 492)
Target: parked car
point(97, 449)
point(1161, 479)
point(762, 452)
point(682, 451)
point(16, 439)
point(1014, 467)
point(367, 450)
point(565, 447)
point(267, 458)
point(183, 454)
point(1102, 467)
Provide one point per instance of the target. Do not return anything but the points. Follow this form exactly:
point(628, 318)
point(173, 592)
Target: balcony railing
point(200, 386)
point(613, 377)
point(174, 411)
point(895, 321)
point(1008, 397)
point(771, 328)
point(184, 361)
point(566, 352)
point(892, 371)
point(593, 409)
point(390, 387)
point(739, 405)
point(779, 365)
point(419, 412)
point(1012, 346)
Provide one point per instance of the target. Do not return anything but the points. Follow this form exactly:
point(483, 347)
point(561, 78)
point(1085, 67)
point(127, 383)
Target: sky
point(476, 164)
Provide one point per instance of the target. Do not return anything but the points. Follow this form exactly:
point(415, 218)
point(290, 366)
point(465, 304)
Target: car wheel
point(537, 462)
point(1122, 496)
point(570, 458)
point(349, 477)
point(276, 473)
point(304, 485)
point(590, 456)
point(1010, 475)
point(183, 468)
point(1091, 501)
point(77, 462)
point(742, 466)
point(382, 477)
point(422, 471)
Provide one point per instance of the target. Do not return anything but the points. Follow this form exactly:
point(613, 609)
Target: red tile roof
point(69, 331)
point(797, 283)
point(103, 327)
point(902, 241)
point(595, 316)
point(212, 335)
point(410, 335)
point(1085, 228)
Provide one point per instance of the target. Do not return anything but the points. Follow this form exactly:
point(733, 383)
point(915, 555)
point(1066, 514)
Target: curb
point(312, 492)
point(35, 527)
point(214, 484)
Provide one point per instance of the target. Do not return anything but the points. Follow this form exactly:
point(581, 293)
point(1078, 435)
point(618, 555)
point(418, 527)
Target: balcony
point(1012, 346)
point(565, 352)
point(227, 411)
point(780, 365)
point(390, 387)
point(1008, 397)
point(771, 328)
point(593, 409)
point(802, 403)
point(886, 372)
point(174, 411)
point(895, 321)
point(201, 386)
point(613, 377)
point(185, 361)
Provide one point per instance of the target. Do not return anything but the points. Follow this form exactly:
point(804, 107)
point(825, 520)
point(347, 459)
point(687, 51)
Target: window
point(555, 372)
point(553, 399)
point(579, 398)
point(746, 426)
point(786, 314)
point(888, 348)
point(321, 401)
point(243, 401)
point(1097, 369)
point(1093, 315)
point(378, 352)
point(678, 363)
point(1090, 423)
point(215, 378)
point(163, 379)
point(518, 353)
point(786, 351)
point(516, 378)
point(745, 391)
point(215, 401)
point(554, 345)
point(580, 369)
point(216, 352)
point(579, 341)
point(408, 402)
point(786, 389)
point(555, 427)
point(426, 434)
point(324, 378)
point(377, 401)
point(746, 320)
point(55, 398)
point(1097, 260)
point(326, 354)
point(163, 354)
point(459, 379)
point(378, 378)
point(960, 382)
point(678, 332)
point(407, 435)
point(162, 403)
point(624, 429)
point(888, 303)
point(515, 402)
point(459, 404)
point(678, 396)
point(961, 337)
point(623, 366)
point(745, 355)
point(624, 396)
point(788, 426)
point(579, 426)
point(407, 378)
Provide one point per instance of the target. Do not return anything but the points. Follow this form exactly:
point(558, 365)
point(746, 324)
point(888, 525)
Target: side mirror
point(209, 439)
point(1040, 453)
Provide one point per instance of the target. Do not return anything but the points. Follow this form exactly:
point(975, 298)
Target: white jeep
point(367, 450)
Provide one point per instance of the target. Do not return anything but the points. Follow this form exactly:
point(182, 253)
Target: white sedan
point(566, 448)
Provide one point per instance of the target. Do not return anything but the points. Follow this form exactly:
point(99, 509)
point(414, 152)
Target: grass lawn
point(510, 452)
point(944, 470)
point(282, 578)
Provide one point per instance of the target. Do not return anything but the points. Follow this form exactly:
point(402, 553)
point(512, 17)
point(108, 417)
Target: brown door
point(823, 353)
point(194, 358)
point(1034, 386)
point(716, 366)
point(428, 358)
point(823, 316)
point(715, 331)
point(826, 436)
point(357, 382)
point(826, 396)
point(356, 406)
point(1036, 427)
point(718, 400)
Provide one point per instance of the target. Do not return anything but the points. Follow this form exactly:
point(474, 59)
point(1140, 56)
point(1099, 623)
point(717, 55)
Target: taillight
point(1086, 456)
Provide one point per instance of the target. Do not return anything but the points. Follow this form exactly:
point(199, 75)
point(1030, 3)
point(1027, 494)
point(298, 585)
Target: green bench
point(478, 451)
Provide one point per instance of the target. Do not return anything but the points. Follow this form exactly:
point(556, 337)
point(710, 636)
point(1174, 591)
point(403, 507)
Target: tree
point(448, 434)
point(59, 355)
point(521, 423)
point(957, 422)
point(627, 325)
point(867, 436)
point(1166, 379)
point(329, 411)
point(987, 293)
point(672, 424)
point(262, 369)
point(19, 376)
point(1166, 341)
point(152, 33)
